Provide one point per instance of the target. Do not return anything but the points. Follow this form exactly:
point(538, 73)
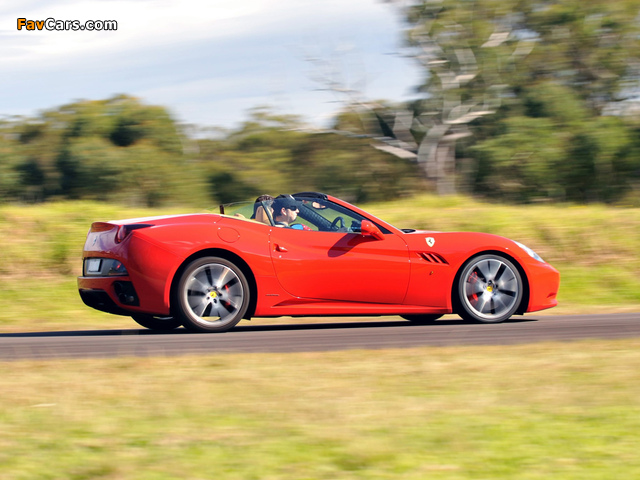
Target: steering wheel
point(334, 225)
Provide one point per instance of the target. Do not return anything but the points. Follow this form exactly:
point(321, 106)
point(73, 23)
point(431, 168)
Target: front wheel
point(490, 289)
point(212, 295)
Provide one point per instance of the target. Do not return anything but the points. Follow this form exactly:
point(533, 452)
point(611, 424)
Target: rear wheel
point(489, 290)
point(212, 295)
point(422, 319)
point(156, 323)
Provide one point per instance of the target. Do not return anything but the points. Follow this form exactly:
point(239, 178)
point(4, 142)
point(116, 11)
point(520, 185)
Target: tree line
point(122, 150)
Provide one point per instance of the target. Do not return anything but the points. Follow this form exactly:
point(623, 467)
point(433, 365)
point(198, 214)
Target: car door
point(341, 266)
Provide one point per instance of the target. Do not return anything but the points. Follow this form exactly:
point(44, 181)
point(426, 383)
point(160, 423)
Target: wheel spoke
point(208, 311)
point(488, 269)
point(480, 303)
point(483, 271)
point(198, 304)
point(196, 285)
point(232, 282)
point(475, 287)
point(231, 303)
point(227, 307)
point(218, 276)
point(235, 292)
point(502, 268)
point(505, 278)
point(500, 299)
point(216, 311)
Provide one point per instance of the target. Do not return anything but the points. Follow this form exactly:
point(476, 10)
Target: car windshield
point(315, 213)
point(323, 215)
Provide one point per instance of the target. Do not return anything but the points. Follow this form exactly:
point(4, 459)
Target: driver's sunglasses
point(293, 208)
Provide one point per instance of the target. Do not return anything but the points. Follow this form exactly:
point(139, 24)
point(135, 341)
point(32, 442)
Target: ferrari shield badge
point(431, 241)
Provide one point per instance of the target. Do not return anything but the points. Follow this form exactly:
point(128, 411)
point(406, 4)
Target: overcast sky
point(208, 62)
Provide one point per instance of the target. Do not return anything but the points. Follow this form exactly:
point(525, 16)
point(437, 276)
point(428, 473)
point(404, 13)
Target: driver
point(285, 210)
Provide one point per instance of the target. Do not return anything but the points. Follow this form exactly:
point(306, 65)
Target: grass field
point(540, 411)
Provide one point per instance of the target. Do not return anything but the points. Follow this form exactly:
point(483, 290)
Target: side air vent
point(433, 258)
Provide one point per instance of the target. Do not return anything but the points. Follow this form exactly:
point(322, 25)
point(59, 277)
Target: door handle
point(280, 249)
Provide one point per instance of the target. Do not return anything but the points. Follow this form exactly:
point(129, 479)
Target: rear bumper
point(115, 295)
point(100, 300)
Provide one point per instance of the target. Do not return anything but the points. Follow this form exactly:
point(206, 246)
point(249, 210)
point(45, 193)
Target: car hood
point(429, 240)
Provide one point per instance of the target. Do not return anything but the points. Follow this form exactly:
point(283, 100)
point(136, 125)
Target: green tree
point(117, 148)
point(492, 68)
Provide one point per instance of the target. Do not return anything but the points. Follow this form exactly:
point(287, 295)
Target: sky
point(207, 62)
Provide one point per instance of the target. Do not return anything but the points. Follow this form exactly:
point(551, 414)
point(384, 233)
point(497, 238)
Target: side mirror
point(369, 229)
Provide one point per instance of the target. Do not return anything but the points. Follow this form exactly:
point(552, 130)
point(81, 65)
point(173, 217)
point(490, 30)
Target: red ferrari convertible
point(303, 255)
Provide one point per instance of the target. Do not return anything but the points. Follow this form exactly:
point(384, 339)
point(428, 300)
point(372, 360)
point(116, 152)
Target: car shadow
point(363, 324)
point(264, 328)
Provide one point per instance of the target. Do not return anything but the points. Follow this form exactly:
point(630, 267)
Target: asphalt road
point(393, 333)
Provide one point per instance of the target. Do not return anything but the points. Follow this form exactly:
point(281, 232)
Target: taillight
point(124, 230)
point(117, 268)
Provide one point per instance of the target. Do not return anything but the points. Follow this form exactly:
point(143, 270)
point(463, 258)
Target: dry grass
point(562, 411)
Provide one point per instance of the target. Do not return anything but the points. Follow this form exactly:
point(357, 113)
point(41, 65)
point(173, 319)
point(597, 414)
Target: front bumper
point(544, 283)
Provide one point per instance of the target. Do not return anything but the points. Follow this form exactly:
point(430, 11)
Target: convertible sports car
point(305, 254)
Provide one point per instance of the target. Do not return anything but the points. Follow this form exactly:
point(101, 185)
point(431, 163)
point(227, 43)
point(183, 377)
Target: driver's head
point(285, 208)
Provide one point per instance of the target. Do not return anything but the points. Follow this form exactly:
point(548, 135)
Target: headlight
point(529, 251)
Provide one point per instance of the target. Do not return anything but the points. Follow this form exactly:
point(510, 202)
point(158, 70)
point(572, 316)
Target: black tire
point(422, 319)
point(157, 323)
point(490, 289)
point(212, 295)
